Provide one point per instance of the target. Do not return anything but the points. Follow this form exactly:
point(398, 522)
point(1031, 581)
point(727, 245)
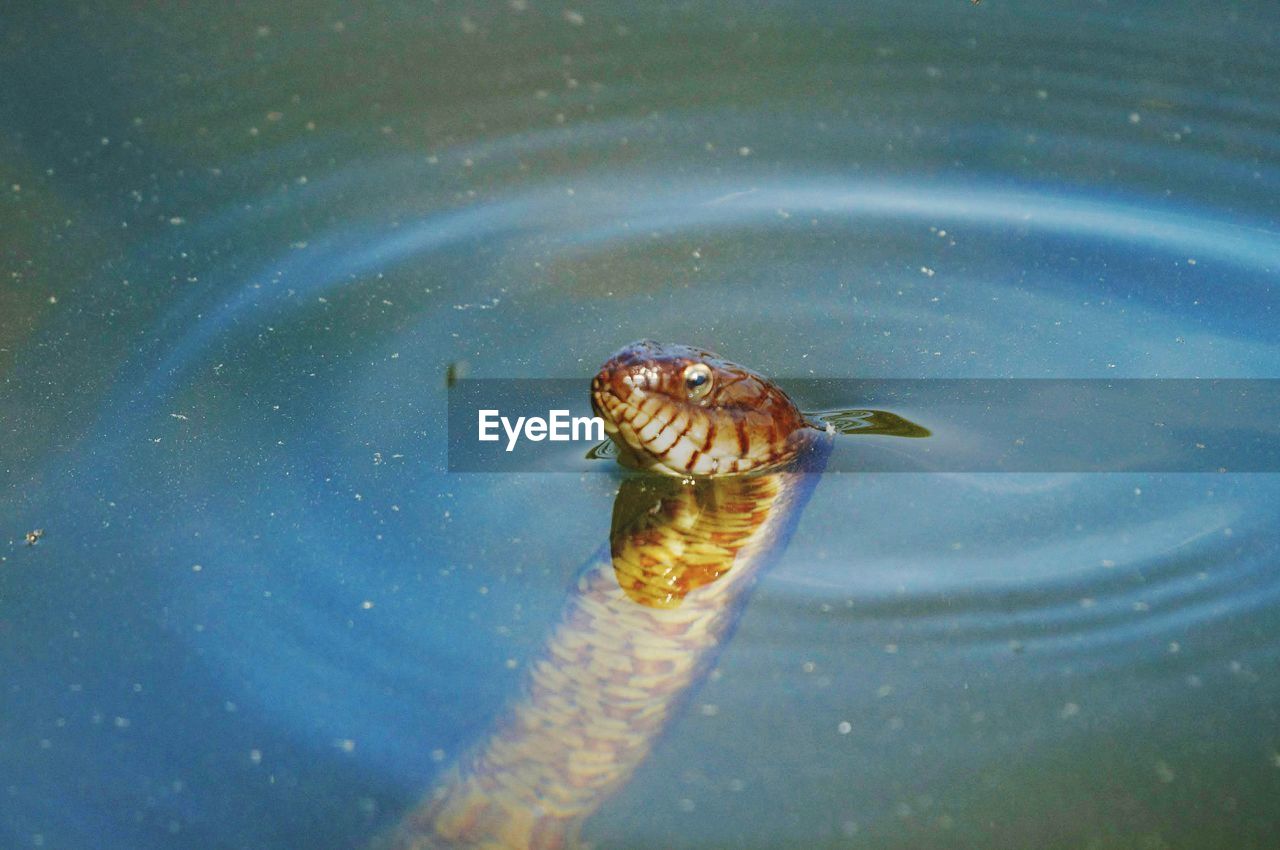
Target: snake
point(723, 463)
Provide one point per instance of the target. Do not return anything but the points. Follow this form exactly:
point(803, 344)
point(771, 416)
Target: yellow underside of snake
point(642, 624)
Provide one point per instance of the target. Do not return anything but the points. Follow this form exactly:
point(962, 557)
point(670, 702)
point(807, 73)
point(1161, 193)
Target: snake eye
point(697, 380)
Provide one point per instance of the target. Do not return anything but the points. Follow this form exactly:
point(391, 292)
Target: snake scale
point(646, 615)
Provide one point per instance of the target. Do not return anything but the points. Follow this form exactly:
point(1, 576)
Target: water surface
point(242, 248)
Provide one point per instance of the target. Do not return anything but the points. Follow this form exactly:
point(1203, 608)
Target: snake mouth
point(639, 424)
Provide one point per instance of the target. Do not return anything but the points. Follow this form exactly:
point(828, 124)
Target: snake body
point(646, 615)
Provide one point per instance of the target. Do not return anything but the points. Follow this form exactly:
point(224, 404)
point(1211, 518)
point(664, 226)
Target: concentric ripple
point(262, 614)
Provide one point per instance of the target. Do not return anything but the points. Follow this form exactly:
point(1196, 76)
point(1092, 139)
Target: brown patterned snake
point(646, 615)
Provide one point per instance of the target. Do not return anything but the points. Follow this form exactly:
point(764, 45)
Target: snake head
point(684, 411)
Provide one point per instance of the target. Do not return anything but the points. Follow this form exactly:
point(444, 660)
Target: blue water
point(241, 250)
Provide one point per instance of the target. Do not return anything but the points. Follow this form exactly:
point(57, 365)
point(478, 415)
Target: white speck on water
point(686, 805)
point(1069, 710)
point(255, 756)
point(1164, 773)
point(844, 727)
point(744, 151)
point(437, 755)
point(574, 17)
point(1134, 118)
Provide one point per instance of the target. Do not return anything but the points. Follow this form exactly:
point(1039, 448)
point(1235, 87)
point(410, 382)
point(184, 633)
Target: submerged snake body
point(646, 615)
